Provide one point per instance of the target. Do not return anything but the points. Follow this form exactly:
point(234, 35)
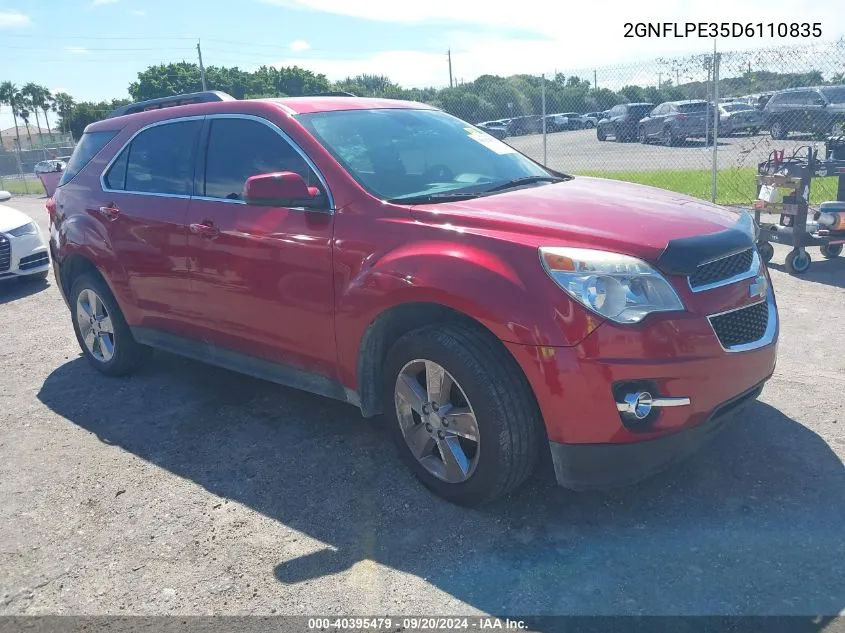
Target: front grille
point(722, 269)
point(34, 261)
point(5, 254)
point(743, 326)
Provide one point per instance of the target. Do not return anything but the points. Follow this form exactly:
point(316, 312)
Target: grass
point(20, 187)
point(735, 186)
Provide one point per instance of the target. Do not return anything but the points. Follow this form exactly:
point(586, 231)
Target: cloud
point(76, 50)
point(298, 46)
point(138, 13)
point(13, 19)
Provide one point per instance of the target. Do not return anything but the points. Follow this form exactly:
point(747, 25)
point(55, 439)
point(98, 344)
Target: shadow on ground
point(830, 272)
point(751, 525)
point(15, 288)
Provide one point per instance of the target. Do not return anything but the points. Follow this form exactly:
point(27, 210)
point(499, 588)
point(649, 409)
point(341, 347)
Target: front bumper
point(23, 256)
point(599, 466)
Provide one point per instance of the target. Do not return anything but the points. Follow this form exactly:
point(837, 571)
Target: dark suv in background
point(673, 122)
point(811, 110)
point(621, 121)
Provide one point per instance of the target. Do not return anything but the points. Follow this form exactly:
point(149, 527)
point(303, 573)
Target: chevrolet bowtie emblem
point(758, 289)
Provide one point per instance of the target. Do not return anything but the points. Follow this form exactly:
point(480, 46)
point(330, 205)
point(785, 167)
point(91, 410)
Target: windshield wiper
point(525, 180)
point(436, 197)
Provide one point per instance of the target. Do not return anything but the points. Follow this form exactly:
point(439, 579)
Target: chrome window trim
point(768, 336)
point(753, 271)
point(249, 117)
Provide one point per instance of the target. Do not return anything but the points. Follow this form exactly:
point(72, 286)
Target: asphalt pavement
point(188, 489)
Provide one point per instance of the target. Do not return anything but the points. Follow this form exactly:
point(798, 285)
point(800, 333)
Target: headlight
point(618, 287)
point(26, 229)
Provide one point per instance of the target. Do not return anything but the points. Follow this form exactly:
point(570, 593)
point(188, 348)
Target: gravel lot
point(579, 150)
point(192, 490)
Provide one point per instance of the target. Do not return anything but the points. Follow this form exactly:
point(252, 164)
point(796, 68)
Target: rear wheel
point(101, 330)
point(589, 125)
point(600, 135)
point(778, 130)
point(831, 251)
point(668, 137)
point(461, 413)
point(641, 136)
point(619, 134)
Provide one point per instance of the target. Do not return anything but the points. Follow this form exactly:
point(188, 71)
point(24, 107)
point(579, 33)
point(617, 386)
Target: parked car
point(564, 121)
point(23, 251)
point(673, 122)
point(621, 121)
point(591, 119)
point(739, 117)
point(497, 129)
point(387, 254)
point(522, 125)
point(818, 111)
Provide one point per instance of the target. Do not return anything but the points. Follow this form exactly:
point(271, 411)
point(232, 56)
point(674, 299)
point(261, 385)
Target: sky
point(93, 49)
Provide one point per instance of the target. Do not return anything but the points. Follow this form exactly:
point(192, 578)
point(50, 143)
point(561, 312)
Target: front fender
point(507, 292)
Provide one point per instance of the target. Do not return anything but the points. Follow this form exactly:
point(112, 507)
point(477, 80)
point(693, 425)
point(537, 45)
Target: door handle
point(109, 212)
point(205, 229)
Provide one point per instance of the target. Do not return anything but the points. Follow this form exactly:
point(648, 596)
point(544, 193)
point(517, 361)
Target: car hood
point(594, 212)
point(12, 218)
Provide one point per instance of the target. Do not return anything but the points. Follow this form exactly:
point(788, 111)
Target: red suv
point(392, 256)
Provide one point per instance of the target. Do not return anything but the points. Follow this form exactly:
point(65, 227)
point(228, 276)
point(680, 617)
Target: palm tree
point(9, 96)
point(35, 100)
point(23, 105)
point(47, 105)
point(64, 106)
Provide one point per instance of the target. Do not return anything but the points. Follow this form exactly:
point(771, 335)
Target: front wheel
point(461, 413)
point(600, 135)
point(668, 137)
point(798, 262)
point(778, 131)
point(101, 330)
point(641, 136)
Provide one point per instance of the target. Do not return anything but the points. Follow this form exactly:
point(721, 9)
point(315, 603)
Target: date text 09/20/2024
point(722, 29)
point(482, 623)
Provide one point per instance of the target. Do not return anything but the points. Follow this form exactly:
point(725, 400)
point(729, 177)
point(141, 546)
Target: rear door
point(654, 123)
point(263, 275)
point(146, 191)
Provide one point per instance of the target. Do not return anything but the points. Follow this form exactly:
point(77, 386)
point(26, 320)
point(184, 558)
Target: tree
point(64, 105)
point(85, 112)
point(9, 96)
point(47, 105)
point(35, 96)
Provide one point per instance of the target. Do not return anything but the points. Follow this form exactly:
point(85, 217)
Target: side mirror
point(280, 189)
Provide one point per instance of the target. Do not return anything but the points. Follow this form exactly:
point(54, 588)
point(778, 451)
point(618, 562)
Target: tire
point(798, 263)
point(831, 252)
point(767, 251)
point(641, 135)
point(126, 354)
point(589, 125)
point(490, 385)
point(668, 137)
point(618, 134)
point(778, 130)
point(600, 135)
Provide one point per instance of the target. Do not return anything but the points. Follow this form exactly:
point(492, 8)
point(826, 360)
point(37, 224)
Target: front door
point(262, 275)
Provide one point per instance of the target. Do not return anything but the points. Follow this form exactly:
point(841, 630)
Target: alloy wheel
point(95, 325)
point(437, 421)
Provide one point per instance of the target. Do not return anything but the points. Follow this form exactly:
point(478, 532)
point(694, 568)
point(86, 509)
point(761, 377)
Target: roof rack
point(166, 102)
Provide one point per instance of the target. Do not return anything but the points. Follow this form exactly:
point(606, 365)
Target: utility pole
point(449, 56)
point(202, 69)
point(659, 80)
point(595, 80)
point(715, 120)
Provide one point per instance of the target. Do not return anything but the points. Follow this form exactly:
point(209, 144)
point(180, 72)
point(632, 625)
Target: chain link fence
point(18, 167)
point(655, 122)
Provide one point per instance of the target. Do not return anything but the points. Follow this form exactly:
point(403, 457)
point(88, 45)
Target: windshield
point(404, 153)
point(640, 110)
point(835, 95)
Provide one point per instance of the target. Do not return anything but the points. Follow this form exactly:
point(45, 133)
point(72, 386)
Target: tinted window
point(116, 176)
point(161, 159)
point(692, 107)
point(640, 110)
point(240, 148)
point(89, 146)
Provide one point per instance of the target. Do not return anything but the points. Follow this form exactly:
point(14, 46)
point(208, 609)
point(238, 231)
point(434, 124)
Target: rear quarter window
point(89, 146)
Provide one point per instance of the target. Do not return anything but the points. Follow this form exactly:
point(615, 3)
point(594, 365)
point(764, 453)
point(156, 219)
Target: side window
point(116, 176)
point(617, 110)
point(161, 159)
point(240, 148)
